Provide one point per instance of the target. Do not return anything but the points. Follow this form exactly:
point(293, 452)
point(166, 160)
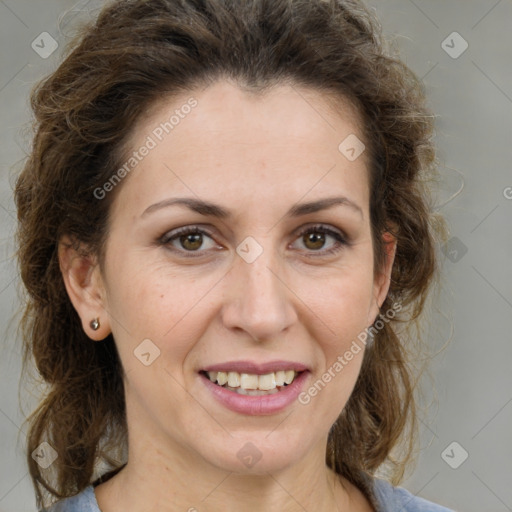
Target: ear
point(382, 280)
point(85, 287)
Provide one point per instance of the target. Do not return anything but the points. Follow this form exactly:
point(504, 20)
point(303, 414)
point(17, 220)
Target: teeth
point(280, 376)
point(222, 378)
point(253, 392)
point(252, 384)
point(267, 382)
point(248, 381)
point(233, 379)
point(289, 375)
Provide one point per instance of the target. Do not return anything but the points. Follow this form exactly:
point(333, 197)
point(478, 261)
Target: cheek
point(155, 304)
point(339, 304)
point(337, 318)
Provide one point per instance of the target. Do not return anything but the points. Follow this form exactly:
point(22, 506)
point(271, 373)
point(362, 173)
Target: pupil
point(317, 239)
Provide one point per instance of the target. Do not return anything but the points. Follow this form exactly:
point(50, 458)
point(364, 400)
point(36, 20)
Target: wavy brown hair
point(138, 51)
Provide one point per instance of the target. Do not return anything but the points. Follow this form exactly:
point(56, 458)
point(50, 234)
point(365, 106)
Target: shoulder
point(82, 502)
point(389, 498)
point(392, 498)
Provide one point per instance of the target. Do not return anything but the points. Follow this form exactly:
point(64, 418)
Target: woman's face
point(277, 276)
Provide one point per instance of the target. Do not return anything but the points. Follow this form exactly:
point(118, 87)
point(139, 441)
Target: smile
point(253, 384)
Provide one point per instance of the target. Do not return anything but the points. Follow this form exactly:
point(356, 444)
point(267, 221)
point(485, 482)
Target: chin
point(257, 453)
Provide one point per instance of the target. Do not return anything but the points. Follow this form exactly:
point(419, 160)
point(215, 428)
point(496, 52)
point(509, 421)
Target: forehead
point(224, 142)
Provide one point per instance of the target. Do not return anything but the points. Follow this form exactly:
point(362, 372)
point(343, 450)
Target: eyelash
point(195, 230)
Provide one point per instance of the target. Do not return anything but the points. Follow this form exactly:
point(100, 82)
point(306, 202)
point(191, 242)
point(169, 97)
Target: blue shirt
point(389, 499)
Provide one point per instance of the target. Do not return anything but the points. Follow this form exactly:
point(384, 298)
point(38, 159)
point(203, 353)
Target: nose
point(258, 301)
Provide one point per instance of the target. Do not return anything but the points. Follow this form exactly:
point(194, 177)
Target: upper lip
point(256, 368)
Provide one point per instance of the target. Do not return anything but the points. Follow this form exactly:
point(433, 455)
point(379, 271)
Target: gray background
point(472, 98)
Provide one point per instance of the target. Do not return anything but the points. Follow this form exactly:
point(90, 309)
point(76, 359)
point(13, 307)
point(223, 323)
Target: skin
point(256, 156)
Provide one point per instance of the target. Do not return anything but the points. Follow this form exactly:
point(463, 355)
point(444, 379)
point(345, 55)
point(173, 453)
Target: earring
point(95, 324)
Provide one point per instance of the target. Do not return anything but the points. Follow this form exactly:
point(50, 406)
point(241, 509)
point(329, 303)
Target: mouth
point(253, 384)
point(254, 389)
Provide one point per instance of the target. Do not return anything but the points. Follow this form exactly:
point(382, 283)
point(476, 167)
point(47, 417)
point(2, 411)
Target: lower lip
point(257, 405)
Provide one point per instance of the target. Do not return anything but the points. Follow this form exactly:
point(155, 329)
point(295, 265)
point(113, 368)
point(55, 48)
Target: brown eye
point(187, 240)
point(321, 240)
point(314, 240)
point(192, 241)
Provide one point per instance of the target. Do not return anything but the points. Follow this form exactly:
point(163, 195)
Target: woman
point(222, 226)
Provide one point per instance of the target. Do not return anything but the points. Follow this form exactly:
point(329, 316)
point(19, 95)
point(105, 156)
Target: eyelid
point(340, 237)
point(342, 240)
point(327, 228)
point(174, 234)
point(184, 230)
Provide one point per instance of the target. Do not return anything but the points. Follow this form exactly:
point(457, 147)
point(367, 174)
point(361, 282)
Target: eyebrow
point(208, 208)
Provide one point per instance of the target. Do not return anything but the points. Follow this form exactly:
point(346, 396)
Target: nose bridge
point(258, 301)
